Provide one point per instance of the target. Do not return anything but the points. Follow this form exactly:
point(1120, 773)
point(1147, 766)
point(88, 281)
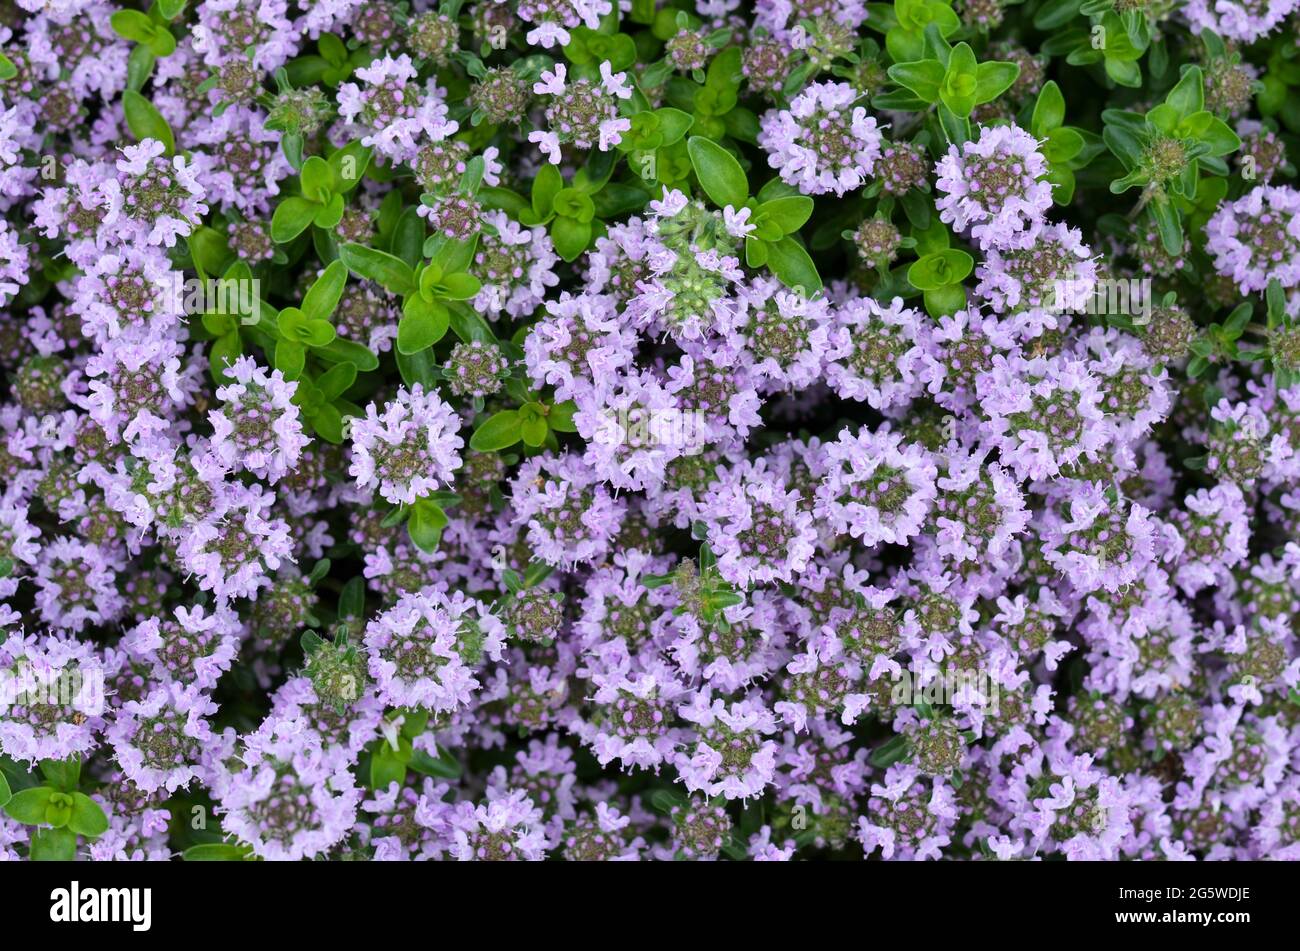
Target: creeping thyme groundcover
point(649, 429)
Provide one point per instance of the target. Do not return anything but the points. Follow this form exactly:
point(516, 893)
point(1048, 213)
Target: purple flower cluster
point(440, 431)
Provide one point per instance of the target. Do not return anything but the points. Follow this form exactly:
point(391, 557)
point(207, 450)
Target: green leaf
point(391, 273)
point(1218, 135)
point(223, 352)
point(329, 214)
point(789, 214)
point(88, 818)
point(290, 358)
point(882, 757)
point(933, 271)
point(328, 423)
point(500, 431)
point(944, 300)
point(63, 775)
point(533, 429)
point(993, 79)
point(1062, 145)
point(570, 237)
point(53, 845)
point(426, 524)
point(28, 806)
point(171, 9)
point(561, 417)
point(923, 77)
point(1055, 13)
point(217, 852)
point(720, 175)
point(318, 179)
point(423, 324)
point(792, 266)
point(132, 25)
point(546, 186)
point(388, 766)
point(444, 767)
point(292, 217)
point(959, 90)
point(673, 124)
point(460, 286)
point(209, 251)
point(503, 199)
point(349, 165)
point(408, 237)
point(324, 294)
point(145, 121)
point(335, 381)
point(346, 351)
point(7, 68)
point(1188, 95)
point(1049, 110)
point(5, 794)
point(139, 64)
point(1168, 223)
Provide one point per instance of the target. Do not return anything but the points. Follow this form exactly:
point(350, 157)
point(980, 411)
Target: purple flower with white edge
point(516, 266)
point(1042, 413)
point(1053, 273)
point(995, 187)
point(578, 340)
point(1215, 529)
point(396, 113)
point(76, 584)
point(756, 528)
point(978, 509)
point(553, 19)
point(121, 292)
point(633, 428)
point(191, 647)
point(259, 427)
point(157, 740)
point(787, 333)
point(824, 142)
point(423, 651)
point(633, 717)
point(151, 199)
point(1104, 542)
point(34, 669)
point(734, 755)
point(1256, 239)
point(286, 796)
point(138, 382)
point(909, 816)
point(227, 29)
point(876, 487)
point(875, 352)
point(507, 828)
point(408, 448)
point(583, 113)
point(570, 514)
point(235, 555)
point(1242, 20)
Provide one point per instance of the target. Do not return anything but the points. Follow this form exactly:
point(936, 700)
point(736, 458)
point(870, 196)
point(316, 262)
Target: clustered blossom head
point(397, 113)
point(825, 142)
point(258, 428)
point(583, 113)
point(617, 497)
point(407, 448)
point(1256, 239)
point(994, 187)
